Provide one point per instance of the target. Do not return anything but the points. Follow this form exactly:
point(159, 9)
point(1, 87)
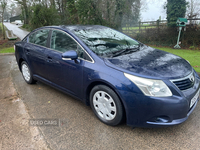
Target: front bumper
point(144, 111)
point(161, 122)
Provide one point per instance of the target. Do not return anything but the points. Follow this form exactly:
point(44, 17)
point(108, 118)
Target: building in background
point(16, 20)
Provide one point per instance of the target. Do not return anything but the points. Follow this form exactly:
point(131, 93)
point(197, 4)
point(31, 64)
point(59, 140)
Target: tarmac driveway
point(80, 129)
point(16, 30)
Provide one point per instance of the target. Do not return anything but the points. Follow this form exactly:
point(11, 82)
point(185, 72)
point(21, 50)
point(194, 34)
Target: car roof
point(73, 28)
point(78, 27)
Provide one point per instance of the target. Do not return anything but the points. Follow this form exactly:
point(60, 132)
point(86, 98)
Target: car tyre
point(106, 105)
point(26, 73)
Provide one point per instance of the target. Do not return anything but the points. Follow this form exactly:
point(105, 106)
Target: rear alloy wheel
point(106, 105)
point(26, 73)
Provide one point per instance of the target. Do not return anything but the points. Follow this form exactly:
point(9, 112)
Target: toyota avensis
point(119, 77)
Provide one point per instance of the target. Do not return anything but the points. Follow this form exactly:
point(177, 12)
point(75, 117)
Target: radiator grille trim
point(185, 83)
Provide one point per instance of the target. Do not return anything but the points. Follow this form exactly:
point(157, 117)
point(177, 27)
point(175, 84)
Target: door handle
point(49, 59)
point(27, 52)
point(28, 48)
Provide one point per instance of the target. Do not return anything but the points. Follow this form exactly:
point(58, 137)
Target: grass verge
point(7, 50)
point(193, 56)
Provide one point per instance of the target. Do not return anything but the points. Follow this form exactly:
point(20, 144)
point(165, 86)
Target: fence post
point(128, 28)
point(158, 24)
point(139, 26)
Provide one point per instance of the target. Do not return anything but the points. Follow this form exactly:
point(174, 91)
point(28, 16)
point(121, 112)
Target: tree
point(103, 12)
point(89, 12)
point(43, 16)
point(73, 13)
point(175, 9)
point(108, 12)
point(132, 13)
point(25, 10)
point(3, 4)
point(6, 15)
point(193, 10)
point(62, 10)
point(12, 9)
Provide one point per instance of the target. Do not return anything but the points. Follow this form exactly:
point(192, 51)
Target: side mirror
point(70, 55)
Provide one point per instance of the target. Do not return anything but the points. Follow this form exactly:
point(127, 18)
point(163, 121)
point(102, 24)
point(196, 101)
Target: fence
point(143, 26)
point(194, 21)
point(159, 24)
point(158, 33)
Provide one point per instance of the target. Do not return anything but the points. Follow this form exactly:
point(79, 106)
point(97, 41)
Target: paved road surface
point(15, 132)
point(16, 30)
point(80, 129)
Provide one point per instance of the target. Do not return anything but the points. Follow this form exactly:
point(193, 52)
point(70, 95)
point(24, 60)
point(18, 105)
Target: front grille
point(185, 83)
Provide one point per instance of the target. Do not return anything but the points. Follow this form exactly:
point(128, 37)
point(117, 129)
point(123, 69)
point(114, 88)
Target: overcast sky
point(153, 9)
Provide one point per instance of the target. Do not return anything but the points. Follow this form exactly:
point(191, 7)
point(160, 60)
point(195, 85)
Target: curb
point(7, 54)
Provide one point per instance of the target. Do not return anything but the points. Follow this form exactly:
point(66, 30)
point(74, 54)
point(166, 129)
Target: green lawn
point(1, 25)
point(1, 28)
point(193, 56)
point(7, 50)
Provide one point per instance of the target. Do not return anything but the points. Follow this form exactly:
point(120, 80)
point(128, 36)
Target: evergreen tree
point(175, 9)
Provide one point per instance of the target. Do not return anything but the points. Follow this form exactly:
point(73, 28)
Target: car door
point(35, 52)
point(65, 73)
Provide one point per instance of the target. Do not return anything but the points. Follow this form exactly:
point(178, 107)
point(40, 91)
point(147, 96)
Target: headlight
point(150, 87)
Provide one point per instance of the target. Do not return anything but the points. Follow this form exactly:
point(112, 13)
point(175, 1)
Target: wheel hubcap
point(25, 72)
point(104, 105)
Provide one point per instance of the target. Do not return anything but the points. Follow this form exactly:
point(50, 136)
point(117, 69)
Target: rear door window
point(40, 37)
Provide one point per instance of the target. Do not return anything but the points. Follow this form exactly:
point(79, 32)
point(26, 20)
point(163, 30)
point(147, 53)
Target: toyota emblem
point(192, 78)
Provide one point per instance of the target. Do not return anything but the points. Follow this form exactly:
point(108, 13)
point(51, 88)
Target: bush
point(44, 16)
point(168, 37)
point(26, 26)
point(175, 9)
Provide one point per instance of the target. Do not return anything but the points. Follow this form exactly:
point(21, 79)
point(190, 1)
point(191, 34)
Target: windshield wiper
point(125, 51)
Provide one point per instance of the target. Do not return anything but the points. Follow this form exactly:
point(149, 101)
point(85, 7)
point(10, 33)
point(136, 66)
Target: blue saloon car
point(119, 77)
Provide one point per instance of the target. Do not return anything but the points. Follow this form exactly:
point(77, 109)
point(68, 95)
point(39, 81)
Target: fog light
point(160, 119)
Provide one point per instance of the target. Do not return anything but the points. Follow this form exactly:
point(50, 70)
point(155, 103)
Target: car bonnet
point(151, 62)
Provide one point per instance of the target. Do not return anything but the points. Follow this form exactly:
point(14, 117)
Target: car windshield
point(106, 42)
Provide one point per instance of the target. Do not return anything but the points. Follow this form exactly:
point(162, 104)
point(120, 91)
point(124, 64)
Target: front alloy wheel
point(106, 105)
